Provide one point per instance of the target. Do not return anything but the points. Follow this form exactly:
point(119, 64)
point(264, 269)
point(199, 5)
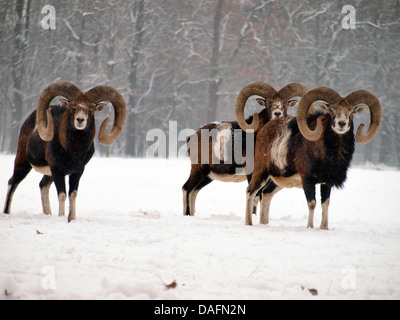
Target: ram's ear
point(64, 103)
point(360, 108)
point(100, 106)
point(322, 105)
point(263, 102)
point(292, 103)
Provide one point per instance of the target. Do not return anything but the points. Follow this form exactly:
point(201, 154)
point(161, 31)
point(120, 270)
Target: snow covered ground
point(131, 239)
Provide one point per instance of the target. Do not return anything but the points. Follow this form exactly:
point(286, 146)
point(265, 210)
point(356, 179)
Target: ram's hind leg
point(256, 184)
point(205, 182)
point(21, 170)
point(45, 185)
point(257, 198)
point(198, 179)
point(268, 193)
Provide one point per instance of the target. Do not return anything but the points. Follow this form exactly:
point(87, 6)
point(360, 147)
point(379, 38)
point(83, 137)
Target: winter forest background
point(186, 61)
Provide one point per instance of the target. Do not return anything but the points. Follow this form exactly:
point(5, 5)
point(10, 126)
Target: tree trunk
point(81, 54)
point(215, 81)
point(3, 128)
point(131, 148)
point(21, 28)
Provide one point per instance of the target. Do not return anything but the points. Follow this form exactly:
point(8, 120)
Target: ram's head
point(341, 111)
point(276, 102)
point(82, 106)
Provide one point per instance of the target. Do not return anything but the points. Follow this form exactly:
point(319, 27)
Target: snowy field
point(131, 240)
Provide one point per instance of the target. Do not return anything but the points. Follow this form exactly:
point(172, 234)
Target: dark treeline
point(186, 61)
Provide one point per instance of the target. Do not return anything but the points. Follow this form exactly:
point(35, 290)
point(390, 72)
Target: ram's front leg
point(73, 193)
point(309, 190)
point(59, 181)
point(44, 190)
point(325, 196)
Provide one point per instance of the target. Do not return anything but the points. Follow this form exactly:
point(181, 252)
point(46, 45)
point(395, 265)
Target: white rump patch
point(61, 203)
point(227, 177)
point(279, 149)
point(289, 182)
point(43, 170)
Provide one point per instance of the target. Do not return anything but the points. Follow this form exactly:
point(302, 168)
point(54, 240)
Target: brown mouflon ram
point(310, 149)
point(214, 159)
point(58, 141)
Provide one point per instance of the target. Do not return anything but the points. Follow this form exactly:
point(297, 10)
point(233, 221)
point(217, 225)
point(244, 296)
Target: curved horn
point(44, 119)
point(319, 93)
point(256, 88)
point(292, 90)
point(105, 93)
point(367, 98)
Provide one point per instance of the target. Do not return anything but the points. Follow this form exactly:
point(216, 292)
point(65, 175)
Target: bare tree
point(187, 61)
point(21, 30)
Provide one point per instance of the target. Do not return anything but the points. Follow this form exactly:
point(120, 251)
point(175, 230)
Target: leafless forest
point(186, 60)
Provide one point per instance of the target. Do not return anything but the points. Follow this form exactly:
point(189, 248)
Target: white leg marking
point(192, 202)
point(266, 204)
point(8, 189)
point(72, 206)
point(264, 212)
point(61, 201)
point(250, 204)
point(185, 201)
point(255, 204)
point(249, 209)
point(325, 214)
point(311, 208)
point(10, 197)
point(45, 200)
